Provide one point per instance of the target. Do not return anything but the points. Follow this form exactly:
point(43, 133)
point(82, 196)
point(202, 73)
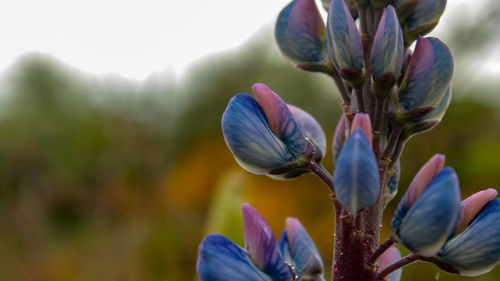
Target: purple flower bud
point(300, 34)
point(259, 242)
point(476, 250)
point(356, 178)
point(424, 18)
point(220, 259)
point(298, 249)
point(388, 48)
point(425, 219)
point(362, 121)
point(267, 136)
point(344, 43)
point(428, 76)
point(389, 257)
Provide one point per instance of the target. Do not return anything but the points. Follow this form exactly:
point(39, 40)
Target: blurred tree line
point(104, 178)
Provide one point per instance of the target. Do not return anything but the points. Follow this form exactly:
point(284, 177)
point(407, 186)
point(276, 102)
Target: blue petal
point(284, 249)
point(249, 137)
point(311, 126)
point(476, 250)
point(219, 259)
point(440, 109)
point(356, 178)
point(388, 45)
point(344, 41)
point(432, 218)
point(300, 33)
point(443, 71)
point(429, 74)
point(305, 255)
point(426, 11)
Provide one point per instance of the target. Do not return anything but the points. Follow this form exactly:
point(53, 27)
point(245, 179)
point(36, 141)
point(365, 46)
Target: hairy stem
point(397, 151)
point(322, 174)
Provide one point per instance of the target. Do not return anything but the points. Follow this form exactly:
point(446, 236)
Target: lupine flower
point(298, 249)
point(260, 244)
point(300, 34)
point(427, 214)
point(474, 248)
point(387, 52)
point(267, 136)
point(390, 256)
point(423, 19)
point(294, 258)
point(428, 76)
point(344, 43)
point(356, 178)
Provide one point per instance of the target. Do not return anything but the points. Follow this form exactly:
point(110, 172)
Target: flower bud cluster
point(391, 91)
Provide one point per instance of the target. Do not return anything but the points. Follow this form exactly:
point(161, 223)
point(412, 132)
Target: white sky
point(135, 38)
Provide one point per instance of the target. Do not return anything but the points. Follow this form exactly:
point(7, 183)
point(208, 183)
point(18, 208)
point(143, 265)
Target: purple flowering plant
point(391, 91)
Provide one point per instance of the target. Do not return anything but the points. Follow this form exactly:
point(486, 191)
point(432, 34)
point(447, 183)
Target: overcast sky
point(137, 37)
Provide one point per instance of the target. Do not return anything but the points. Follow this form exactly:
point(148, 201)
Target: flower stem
point(397, 265)
point(322, 174)
point(380, 250)
point(397, 152)
point(341, 87)
point(359, 98)
point(393, 141)
point(363, 19)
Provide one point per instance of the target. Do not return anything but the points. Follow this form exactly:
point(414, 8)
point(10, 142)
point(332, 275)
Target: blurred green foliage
point(103, 178)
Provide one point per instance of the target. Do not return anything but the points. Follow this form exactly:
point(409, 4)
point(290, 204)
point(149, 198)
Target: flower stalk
point(389, 94)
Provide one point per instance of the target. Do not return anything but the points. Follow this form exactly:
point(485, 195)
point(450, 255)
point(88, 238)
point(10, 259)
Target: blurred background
point(108, 177)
